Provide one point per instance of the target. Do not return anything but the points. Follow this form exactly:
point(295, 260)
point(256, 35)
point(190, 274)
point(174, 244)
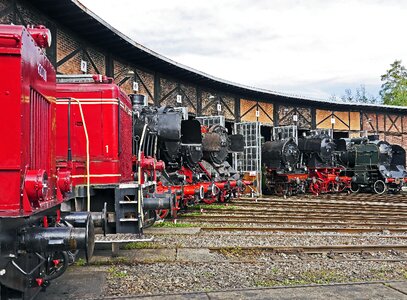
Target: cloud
point(314, 46)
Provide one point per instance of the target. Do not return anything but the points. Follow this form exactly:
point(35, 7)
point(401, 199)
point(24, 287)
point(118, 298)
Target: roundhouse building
point(81, 36)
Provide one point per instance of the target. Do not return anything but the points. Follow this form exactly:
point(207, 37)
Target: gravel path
point(185, 277)
point(198, 241)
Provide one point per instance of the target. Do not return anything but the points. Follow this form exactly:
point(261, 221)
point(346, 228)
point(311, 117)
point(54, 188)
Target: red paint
point(58, 218)
point(27, 126)
point(328, 180)
point(110, 142)
point(39, 281)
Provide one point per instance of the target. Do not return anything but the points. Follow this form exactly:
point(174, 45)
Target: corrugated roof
point(91, 28)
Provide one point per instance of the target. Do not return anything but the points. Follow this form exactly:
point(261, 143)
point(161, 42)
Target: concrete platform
point(76, 283)
point(390, 290)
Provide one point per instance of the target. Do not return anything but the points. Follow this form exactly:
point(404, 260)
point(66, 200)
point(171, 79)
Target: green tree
point(394, 87)
point(360, 96)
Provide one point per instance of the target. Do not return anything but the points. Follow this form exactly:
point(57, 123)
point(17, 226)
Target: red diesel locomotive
point(113, 178)
point(34, 240)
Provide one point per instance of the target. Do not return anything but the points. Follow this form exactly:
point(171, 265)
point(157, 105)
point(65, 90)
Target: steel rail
point(316, 249)
point(270, 212)
point(306, 217)
point(303, 229)
point(231, 219)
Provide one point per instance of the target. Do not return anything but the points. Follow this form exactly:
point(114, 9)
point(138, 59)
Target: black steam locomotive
point(326, 175)
point(373, 165)
point(194, 157)
point(282, 172)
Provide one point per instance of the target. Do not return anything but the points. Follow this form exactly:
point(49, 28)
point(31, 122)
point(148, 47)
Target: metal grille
point(212, 120)
point(40, 131)
point(250, 160)
point(328, 132)
point(284, 132)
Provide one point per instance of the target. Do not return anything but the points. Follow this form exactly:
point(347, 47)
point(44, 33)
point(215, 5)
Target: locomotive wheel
point(210, 199)
point(339, 187)
point(280, 189)
point(162, 213)
point(290, 190)
point(315, 187)
point(379, 187)
point(56, 265)
point(354, 187)
point(150, 216)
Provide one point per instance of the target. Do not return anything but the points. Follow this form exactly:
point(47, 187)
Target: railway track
point(396, 199)
point(261, 201)
point(270, 221)
point(299, 229)
point(319, 249)
point(295, 215)
point(321, 206)
point(300, 211)
point(304, 213)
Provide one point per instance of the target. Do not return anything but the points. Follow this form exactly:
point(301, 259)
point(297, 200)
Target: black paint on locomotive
point(317, 151)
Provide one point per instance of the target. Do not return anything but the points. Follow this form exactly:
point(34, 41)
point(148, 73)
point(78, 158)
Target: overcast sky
point(313, 48)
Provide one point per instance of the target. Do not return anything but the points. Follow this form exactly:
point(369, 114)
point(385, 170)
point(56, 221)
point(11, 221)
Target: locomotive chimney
point(138, 101)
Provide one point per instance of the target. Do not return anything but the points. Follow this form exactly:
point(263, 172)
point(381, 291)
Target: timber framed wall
point(202, 99)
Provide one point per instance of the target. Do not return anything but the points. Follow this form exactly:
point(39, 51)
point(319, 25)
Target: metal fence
point(250, 160)
point(328, 132)
point(212, 120)
point(284, 132)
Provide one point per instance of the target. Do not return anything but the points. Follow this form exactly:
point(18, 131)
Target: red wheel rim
point(162, 213)
point(209, 200)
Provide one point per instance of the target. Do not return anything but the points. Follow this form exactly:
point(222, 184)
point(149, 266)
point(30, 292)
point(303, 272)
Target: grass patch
point(304, 278)
point(213, 206)
point(112, 261)
point(140, 245)
point(231, 251)
point(80, 262)
point(323, 276)
point(174, 225)
point(192, 214)
point(384, 273)
point(285, 282)
point(116, 273)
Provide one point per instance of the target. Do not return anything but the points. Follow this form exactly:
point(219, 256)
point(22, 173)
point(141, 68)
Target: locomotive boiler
point(317, 151)
point(35, 240)
point(325, 174)
point(217, 144)
point(177, 142)
point(282, 173)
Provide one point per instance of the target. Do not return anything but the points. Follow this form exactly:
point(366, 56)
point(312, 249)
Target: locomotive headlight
point(36, 186)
